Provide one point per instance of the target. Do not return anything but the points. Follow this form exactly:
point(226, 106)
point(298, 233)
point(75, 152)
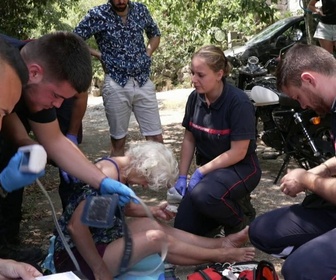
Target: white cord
point(65, 243)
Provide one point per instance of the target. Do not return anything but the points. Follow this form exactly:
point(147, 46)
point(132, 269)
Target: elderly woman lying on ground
point(99, 251)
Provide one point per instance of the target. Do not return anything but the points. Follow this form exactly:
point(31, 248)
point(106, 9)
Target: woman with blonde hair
point(220, 131)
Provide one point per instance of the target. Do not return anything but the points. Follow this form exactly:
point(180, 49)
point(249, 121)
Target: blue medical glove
point(181, 184)
point(66, 176)
point(110, 186)
point(69, 178)
point(195, 179)
point(11, 178)
point(72, 138)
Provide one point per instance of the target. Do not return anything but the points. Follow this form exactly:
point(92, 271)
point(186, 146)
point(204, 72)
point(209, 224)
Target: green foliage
point(20, 17)
point(68, 21)
point(186, 25)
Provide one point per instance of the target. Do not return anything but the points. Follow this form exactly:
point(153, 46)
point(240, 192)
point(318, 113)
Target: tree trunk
point(310, 27)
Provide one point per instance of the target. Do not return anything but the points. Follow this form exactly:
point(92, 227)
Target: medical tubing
point(65, 243)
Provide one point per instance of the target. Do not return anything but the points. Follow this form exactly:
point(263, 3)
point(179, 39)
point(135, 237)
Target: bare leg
point(144, 244)
point(117, 147)
point(234, 240)
point(182, 253)
point(155, 138)
point(327, 45)
point(179, 253)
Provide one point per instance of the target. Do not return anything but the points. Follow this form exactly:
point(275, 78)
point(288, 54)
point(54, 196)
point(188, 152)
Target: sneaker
point(220, 233)
point(20, 254)
point(173, 197)
point(216, 232)
point(170, 272)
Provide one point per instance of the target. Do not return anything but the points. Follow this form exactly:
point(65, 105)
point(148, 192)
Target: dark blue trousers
point(213, 201)
point(306, 238)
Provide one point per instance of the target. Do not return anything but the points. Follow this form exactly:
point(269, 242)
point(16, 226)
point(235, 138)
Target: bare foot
point(236, 239)
point(236, 254)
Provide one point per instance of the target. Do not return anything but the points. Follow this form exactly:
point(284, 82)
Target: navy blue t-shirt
point(329, 11)
point(230, 118)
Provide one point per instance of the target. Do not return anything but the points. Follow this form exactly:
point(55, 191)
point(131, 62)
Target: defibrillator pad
point(99, 211)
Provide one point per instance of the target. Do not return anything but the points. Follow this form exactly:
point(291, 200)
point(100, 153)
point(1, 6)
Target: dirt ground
point(37, 225)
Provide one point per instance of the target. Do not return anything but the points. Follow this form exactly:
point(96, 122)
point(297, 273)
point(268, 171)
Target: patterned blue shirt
point(122, 45)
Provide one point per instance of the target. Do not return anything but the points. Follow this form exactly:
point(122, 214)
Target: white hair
point(155, 162)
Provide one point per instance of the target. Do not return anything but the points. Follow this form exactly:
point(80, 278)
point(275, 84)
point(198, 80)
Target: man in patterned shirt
point(118, 28)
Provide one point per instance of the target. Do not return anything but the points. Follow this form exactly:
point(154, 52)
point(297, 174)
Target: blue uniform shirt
point(122, 45)
point(230, 118)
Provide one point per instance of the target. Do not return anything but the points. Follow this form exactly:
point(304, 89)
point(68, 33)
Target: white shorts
point(325, 31)
point(119, 102)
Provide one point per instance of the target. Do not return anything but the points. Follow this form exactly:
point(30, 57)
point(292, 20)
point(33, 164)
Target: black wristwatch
point(3, 192)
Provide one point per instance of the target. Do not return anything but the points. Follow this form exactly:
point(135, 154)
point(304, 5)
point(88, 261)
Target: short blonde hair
point(215, 58)
point(155, 162)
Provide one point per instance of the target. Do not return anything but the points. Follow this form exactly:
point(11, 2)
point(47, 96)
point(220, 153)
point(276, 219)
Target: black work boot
point(230, 230)
point(247, 207)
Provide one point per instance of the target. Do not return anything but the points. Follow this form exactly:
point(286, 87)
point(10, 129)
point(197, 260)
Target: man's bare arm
point(153, 44)
point(65, 154)
point(95, 53)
